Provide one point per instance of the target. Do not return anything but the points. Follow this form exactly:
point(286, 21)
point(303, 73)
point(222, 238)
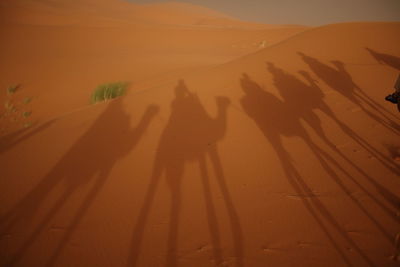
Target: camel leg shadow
point(139, 228)
point(211, 213)
point(91, 196)
point(234, 218)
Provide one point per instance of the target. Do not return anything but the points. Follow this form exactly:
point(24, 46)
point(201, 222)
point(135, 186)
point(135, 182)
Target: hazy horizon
point(306, 12)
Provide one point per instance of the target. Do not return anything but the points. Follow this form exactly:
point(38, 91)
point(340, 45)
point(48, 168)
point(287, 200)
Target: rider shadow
point(305, 99)
point(340, 80)
point(190, 135)
point(89, 160)
point(386, 59)
point(277, 119)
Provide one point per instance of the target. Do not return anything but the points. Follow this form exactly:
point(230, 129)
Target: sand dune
point(217, 156)
point(114, 11)
point(54, 57)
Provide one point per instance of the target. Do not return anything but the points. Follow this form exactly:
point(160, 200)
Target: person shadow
point(190, 135)
point(391, 61)
point(305, 99)
point(340, 80)
point(276, 119)
point(89, 160)
point(308, 98)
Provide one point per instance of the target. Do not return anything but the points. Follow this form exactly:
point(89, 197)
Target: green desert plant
point(108, 91)
point(12, 89)
point(10, 107)
point(7, 105)
point(27, 100)
point(26, 114)
point(27, 124)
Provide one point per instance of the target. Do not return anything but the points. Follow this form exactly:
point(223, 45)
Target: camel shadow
point(341, 81)
point(277, 119)
point(391, 61)
point(89, 160)
point(190, 135)
point(308, 98)
point(305, 99)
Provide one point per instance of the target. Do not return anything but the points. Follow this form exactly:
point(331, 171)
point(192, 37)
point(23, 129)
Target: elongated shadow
point(386, 59)
point(12, 139)
point(276, 119)
point(90, 159)
point(305, 99)
point(341, 81)
point(190, 135)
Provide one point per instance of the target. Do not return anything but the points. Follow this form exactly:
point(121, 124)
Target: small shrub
point(7, 105)
point(108, 91)
point(26, 114)
point(27, 100)
point(10, 107)
point(27, 124)
point(12, 89)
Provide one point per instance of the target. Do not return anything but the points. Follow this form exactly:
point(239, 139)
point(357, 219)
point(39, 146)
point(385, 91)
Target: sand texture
point(236, 144)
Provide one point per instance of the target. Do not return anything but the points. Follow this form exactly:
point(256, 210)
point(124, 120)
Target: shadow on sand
point(89, 160)
point(190, 135)
point(12, 139)
point(391, 61)
point(340, 80)
point(277, 119)
point(306, 99)
point(292, 89)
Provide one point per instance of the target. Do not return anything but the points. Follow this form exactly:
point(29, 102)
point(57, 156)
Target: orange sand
point(222, 153)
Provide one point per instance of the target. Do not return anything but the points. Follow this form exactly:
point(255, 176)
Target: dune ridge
point(217, 156)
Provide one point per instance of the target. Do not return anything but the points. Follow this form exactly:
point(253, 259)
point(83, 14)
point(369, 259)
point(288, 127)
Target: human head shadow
point(89, 160)
point(339, 79)
point(276, 119)
point(389, 60)
point(191, 134)
point(305, 99)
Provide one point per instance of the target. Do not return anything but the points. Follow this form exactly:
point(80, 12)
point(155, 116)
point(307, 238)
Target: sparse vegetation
point(108, 91)
point(16, 111)
point(26, 114)
point(27, 124)
point(27, 100)
point(12, 89)
point(7, 105)
point(10, 106)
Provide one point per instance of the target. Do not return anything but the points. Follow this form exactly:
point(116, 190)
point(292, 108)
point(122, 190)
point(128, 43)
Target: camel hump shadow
point(190, 129)
point(90, 158)
point(191, 134)
point(270, 113)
